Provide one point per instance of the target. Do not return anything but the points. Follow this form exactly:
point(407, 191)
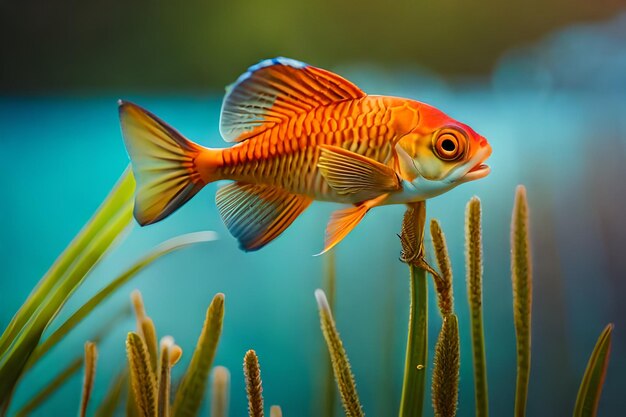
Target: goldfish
point(301, 134)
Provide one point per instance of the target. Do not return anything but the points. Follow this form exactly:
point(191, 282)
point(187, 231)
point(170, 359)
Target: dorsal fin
point(276, 90)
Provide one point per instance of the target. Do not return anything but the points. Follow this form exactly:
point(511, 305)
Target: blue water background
point(556, 118)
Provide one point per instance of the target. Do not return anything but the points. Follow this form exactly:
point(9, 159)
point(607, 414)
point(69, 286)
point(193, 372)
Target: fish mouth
point(477, 172)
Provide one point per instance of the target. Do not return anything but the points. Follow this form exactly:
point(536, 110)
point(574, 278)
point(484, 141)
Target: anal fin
point(343, 221)
point(257, 214)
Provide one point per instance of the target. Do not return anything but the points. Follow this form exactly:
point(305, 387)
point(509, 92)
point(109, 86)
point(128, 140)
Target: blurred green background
point(56, 46)
point(544, 81)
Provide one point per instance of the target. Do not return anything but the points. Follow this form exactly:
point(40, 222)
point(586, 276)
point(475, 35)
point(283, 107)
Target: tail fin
point(163, 163)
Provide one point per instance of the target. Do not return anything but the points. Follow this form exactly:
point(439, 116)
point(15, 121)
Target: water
point(553, 128)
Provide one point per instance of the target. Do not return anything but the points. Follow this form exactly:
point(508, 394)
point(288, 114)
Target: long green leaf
point(193, 385)
point(521, 275)
point(591, 386)
point(119, 197)
point(163, 249)
point(13, 362)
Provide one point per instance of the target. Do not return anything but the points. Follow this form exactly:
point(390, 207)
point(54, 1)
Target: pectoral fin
point(350, 173)
point(343, 221)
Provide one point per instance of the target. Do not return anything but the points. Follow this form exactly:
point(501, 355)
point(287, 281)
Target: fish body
point(301, 134)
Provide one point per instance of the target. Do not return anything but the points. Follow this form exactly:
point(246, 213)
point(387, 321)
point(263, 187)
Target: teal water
point(565, 141)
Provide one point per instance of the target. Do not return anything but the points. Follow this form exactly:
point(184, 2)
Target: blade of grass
point(254, 386)
point(119, 197)
point(163, 249)
point(521, 275)
point(141, 376)
point(591, 386)
point(91, 357)
point(445, 388)
point(113, 320)
point(193, 385)
point(339, 359)
point(414, 383)
point(109, 404)
point(474, 262)
point(220, 392)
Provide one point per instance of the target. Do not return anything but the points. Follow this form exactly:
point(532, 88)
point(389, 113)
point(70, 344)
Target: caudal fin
point(163, 163)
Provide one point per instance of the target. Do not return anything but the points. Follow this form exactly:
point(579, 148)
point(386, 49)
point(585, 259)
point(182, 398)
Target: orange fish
point(301, 133)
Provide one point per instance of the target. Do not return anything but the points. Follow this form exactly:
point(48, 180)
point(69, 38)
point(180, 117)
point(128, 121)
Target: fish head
point(445, 151)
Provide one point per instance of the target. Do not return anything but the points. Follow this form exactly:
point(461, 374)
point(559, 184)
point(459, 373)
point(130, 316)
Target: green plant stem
point(521, 276)
point(475, 300)
point(413, 388)
point(339, 358)
point(412, 238)
point(329, 390)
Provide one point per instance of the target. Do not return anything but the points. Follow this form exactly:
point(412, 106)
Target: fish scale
point(363, 131)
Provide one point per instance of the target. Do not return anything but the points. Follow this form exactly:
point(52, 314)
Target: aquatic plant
point(445, 383)
point(148, 377)
point(21, 345)
point(328, 383)
point(254, 387)
point(192, 387)
point(339, 358)
point(474, 261)
point(91, 357)
point(220, 392)
point(412, 238)
point(591, 386)
point(521, 275)
point(151, 387)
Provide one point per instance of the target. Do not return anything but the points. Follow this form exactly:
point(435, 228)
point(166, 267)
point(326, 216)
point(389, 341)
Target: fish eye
point(449, 145)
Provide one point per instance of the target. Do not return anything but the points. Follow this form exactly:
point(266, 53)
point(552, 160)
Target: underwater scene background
point(554, 112)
